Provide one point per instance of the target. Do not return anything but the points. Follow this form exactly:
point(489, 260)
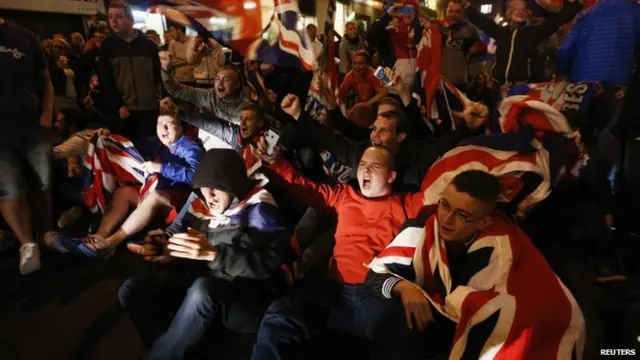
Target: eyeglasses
point(445, 207)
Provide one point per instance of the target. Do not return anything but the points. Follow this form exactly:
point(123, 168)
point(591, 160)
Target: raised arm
point(223, 130)
point(487, 25)
point(346, 150)
point(553, 22)
point(318, 195)
point(200, 97)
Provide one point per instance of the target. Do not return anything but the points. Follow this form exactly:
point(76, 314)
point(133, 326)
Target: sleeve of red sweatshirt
point(317, 195)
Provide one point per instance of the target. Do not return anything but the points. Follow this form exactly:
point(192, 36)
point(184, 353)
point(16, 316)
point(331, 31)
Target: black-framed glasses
point(445, 207)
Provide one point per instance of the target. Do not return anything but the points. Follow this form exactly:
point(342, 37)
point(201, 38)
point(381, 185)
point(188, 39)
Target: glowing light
point(249, 5)
point(218, 21)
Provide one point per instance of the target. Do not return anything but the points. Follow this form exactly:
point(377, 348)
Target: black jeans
point(315, 307)
point(150, 301)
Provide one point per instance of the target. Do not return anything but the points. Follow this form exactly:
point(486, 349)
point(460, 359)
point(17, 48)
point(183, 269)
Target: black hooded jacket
point(250, 238)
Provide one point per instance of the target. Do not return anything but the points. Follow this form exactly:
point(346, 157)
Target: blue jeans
point(150, 301)
point(315, 307)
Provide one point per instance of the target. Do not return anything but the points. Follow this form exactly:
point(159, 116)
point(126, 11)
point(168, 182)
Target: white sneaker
point(29, 258)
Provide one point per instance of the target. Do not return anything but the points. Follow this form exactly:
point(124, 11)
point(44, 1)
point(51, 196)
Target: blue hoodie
point(179, 160)
point(602, 44)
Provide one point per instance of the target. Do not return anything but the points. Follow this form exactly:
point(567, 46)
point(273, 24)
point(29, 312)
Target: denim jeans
point(314, 307)
point(150, 301)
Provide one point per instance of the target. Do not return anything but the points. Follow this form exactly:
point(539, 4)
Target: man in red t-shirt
point(360, 83)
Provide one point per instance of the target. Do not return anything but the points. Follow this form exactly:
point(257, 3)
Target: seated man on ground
point(369, 216)
point(473, 284)
point(175, 158)
point(235, 226)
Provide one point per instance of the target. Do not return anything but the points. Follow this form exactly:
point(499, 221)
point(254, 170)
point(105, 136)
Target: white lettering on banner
point(15, 52)
point(618, 352)
point(573, 96)
point(80, 7)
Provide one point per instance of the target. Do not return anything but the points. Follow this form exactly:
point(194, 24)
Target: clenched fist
point(165, 60)
point(291, 106)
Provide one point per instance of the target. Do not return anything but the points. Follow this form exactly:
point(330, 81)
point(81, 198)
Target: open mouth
point(221, 89)
point(366, 182)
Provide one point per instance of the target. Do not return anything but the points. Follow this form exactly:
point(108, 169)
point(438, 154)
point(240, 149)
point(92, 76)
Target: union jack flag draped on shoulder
point(506, 301)
point(535, 147)
point(110, 162)
point(262, 30)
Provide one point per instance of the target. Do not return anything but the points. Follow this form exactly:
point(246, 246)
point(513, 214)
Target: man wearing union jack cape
point(474, 285)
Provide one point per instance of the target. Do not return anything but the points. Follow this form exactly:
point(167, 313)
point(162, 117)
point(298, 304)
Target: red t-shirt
point(364, 88)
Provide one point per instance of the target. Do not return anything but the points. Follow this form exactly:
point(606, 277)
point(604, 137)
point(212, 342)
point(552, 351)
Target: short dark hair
point(479, 185)
point(363, 53)
point(391, 100)
point(312, 25)
point(401, 121)
point(392, 157)
point(178, 27)
point(118, 4)
point(151, 32)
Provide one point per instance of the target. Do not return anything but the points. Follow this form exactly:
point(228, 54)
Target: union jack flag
point(441, 102)
point(110, 162)
point(263, 30)
point(534, 147)
point(508, 304)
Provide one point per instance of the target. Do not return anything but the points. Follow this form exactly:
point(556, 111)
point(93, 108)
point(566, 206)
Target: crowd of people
point(313, 220)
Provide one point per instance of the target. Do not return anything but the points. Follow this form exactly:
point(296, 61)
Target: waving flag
point(533, 148)
point(507, 302)
point(441, 102)
point(109, 162)
point(263, 30)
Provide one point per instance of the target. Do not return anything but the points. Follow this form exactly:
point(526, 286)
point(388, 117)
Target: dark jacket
point(603, 43)
point(516, 47)
point(223, 130)
point(250, 238)
point(457, 39)
point(179, 160)
point(413, 161)
point(130, 73)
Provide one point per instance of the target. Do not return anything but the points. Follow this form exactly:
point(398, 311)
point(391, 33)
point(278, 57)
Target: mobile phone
point(271, 138)
point(406, 10)
point(379, 73)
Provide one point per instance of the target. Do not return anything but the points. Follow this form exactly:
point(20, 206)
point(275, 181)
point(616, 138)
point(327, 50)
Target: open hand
point(192, 245)
point(416, 306)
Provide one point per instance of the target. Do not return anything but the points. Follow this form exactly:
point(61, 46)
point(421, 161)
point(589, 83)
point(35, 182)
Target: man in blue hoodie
point(601, 47)
point(234, 225)
point(173, 159)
